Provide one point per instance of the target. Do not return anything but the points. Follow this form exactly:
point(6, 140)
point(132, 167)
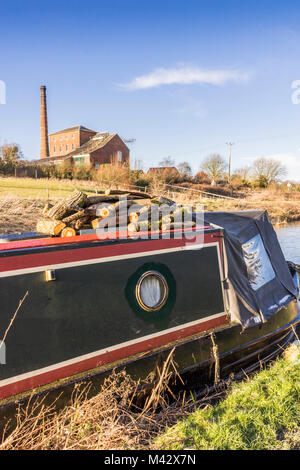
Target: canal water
point(289, 239)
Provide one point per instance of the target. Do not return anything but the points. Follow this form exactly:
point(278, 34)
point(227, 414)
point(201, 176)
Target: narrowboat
point(94, 303)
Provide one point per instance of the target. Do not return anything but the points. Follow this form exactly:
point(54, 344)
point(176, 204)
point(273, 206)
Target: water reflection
point(289, 239)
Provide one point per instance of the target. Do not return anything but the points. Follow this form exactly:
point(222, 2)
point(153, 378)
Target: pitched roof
point(75, 128)
point(160, 169)
point(94, 143)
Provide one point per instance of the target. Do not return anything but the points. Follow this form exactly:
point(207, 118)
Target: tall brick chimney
point(44, 153)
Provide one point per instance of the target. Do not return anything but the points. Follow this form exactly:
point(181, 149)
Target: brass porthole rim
point(138, 291)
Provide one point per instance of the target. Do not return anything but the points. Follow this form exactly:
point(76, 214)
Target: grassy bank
point(260, 413)
point(30, 188)
point(282, 207)
point(22, 200)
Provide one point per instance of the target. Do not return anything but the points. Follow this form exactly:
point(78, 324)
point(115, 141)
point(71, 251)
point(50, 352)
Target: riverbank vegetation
point(262, 412)
point(22, 199)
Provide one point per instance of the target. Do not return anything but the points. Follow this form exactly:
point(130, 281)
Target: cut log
point(97, 199)
point(123, 205)
point(127, 192)
point(143, 226)
point(62, 208)
point(132, 227)
point(58, 211)
point(50, 227)
point(134, 217)
point(76, 198)
point(79, 223)
point(140, 215)
point(110, 222)
point(68, 232)
point(167, 219)
point(142, 201)
point(140, 194)
point(106, 211)
point(75, 216)
point(162, 200)
point(116, 192)
point(110, 210)
point(47, 207)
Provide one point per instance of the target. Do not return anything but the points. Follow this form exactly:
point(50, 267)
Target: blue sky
point(181, 77)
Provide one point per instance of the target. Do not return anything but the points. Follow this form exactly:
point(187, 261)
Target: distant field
point(281, 206)
point(41, 188)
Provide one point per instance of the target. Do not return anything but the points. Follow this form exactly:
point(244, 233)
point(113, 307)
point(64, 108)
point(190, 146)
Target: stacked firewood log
point(129, 210)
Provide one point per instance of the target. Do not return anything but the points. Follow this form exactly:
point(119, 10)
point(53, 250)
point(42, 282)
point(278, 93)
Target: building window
point(79, 161)
point(67, 137)
point(73, 146)
point(54, 149)
point(61, 138)
point(73, 136)
point(60, 148)
point(96, 166)
point(119, 156)
point(67, 147)
point(54, 139)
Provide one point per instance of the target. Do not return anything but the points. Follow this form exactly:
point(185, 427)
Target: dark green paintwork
point(87, 308)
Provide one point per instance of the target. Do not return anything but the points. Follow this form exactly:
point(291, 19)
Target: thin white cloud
point(185, 76)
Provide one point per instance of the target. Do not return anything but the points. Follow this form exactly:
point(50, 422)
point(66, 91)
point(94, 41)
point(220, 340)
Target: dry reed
point(110, 420)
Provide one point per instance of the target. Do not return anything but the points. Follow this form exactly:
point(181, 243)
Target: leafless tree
point(268, 169)
point(243, 173)
point(184, 169)
point(167, 161)
point(214, 166)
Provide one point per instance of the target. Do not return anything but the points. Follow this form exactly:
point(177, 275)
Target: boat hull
point(86, 321)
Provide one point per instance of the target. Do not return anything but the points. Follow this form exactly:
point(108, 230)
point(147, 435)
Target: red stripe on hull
point(106, 358)
point(69, 256)
point(44, 242)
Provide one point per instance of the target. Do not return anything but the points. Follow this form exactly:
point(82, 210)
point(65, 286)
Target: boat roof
point(36, 242)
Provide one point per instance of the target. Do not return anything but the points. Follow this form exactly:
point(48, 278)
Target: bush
point(113, 174)
point(82, 173)
point(260, 182)
point(171, 176)
point(202, 177)
point(139, 178)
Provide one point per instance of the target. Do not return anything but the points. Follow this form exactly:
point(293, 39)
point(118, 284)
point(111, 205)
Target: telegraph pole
point(229, 144)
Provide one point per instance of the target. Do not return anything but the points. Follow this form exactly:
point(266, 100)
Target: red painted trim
point(43, 242)
point(106, 358)
point(27, 261)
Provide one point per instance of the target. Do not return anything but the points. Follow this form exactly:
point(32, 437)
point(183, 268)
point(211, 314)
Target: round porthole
point(152, 291)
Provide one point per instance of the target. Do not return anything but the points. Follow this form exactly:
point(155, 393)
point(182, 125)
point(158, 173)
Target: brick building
point(84, 146)
point(67, 140)
point(79, 145)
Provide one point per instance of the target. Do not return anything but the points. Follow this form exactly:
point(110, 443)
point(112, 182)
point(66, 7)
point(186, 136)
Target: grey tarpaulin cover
point(255, 267)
